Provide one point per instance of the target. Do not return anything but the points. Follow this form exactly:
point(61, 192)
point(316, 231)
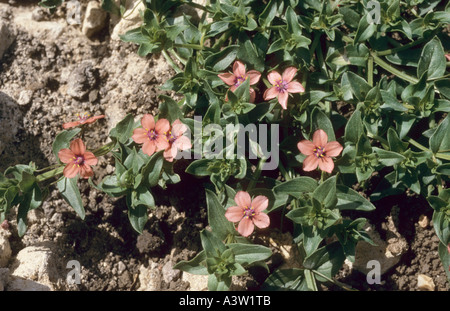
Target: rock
point(196, 282)
point(388, 253)
point(4, 278)
point(34, 268)
point(133, 20)
point(7, 36)
point(121, 267)
point(423, 221)
point(424, 282)
point(5, 248)
point(10, 120)
point(150, 278)
point(82, 80)
point(169, 274)
point(94, 19)
point(25, 97)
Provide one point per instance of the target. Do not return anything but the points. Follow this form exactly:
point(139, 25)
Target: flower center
point(83, 117)
point(249, 212)
point(170, 137)
point(281, 86)
point(152, 135)
point(78, 160)
point(319, 152)
point(239, 80)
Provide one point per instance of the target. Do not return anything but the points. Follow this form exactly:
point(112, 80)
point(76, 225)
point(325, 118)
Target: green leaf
point(296, 187)
point(360, 88)
point(199, 167)
point(325, 193)
point(365, 30)
point(444, 255)
point(443, 87)
point(216, 217)
point(443, 169)
point(327, 260)
point(388, 158)
point(137, 215)
point(194, 266)
point(320, 121)
point(124, 129)
point(269, 13)
point(349, 199)
point(223, 59)
point(212, 244)
point(310, 280)
point(111, 7)
point(169, 109)
point(286, 279)
point(32, 199)
point(68, 187)
point(440, 140)
point(246, 254)
point(354, 127)
point(152, 170)
point(62, 140)
point(432, 60)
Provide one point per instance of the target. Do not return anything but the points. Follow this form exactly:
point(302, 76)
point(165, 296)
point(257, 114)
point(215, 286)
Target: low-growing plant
point(291, 65)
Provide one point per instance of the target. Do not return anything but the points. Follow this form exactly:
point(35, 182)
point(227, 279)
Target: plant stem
point(171, 62)
point(50, 174)
point(334, 281)
point(370, 71)
point(188, 46)
point(406, 46)
point(104, 149)
point(198, 6)
point(178, 57)
point(393, 70)
point(257, 174)
point(283, 171)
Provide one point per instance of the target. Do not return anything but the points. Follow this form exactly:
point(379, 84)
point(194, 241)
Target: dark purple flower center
point(249, 211)
point(78, 160)
point(152, 135)
point(319, 152)
point(83, 117)
point(239, 80)
point(281, 86)
point(170, 137)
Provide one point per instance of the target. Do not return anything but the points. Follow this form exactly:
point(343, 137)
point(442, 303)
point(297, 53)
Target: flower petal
point(161, 143)
point(228, 78)
point(271, 93)
point(283, 99)
point(243, 199)
point(71, 170)
point(320, 138)
point(66, 155)
point(183, 143)
point(148, 122)
point(93, 119)
point(239, 69)
point(86, 171)
point(162, 126)
point(289, 74)
point(252, 95)
point(178, 128)
point(68, 125)
point(310, 163)
point(254, 76)
point(77, 146)
point(170, 153)
point(333, 149)
point(260, 203)
point(261, 220)
point(234, 213)
point(149, 147)
point(326, 164)
point(295, 87)
point(140, 136)
point(274, 77)
point(90, 158)
point(306, 147)
point(246, 227)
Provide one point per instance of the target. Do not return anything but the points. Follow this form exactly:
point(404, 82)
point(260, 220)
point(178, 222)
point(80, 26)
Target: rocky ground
point(50, 70)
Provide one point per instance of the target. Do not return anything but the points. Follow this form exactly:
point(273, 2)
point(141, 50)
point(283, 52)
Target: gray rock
point(82, 80)
point(169, 274)
point(5, 248)
point(94, 19)
point(10, 120)
point(4, 278)
point(7, 36)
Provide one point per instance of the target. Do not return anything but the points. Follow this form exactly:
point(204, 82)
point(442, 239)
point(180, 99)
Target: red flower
point(239, 76)
point(319, 152)
point(248, 213)
point(83, 119)
point(152, 135)
point(176, 140)
point(282, 85)
point(78, 160)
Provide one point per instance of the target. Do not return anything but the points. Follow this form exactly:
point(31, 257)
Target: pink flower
point(152, 135)
point(447, 56)
point(82, 119)
point(248, 213)
point(282, 86)
point(319, 152)
point(176, 140)
point(78, 160)
point(239, 76)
